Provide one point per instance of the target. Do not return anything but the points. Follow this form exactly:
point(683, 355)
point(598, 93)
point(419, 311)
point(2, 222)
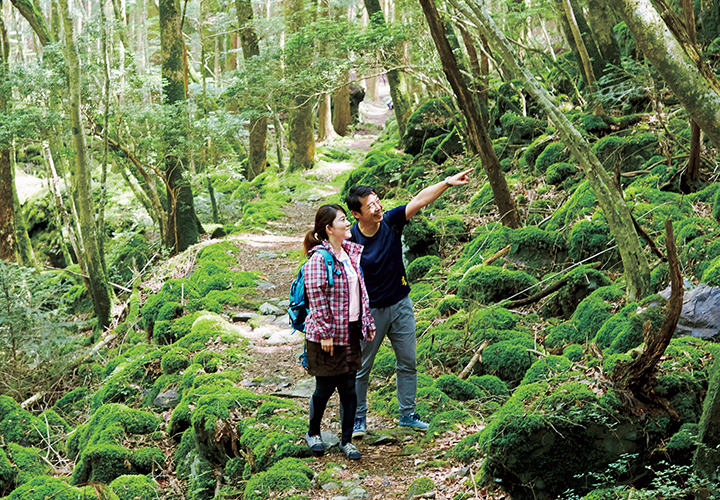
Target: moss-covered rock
point(29, 463)
point(450, 305)
point(49, 487)
point(447, 421)
point(97, 445)
point(420, 486)
point(555, 152)
point(581, 282)
point(580, 204)
point(508, 359)
point(458, 389)
point(18, 425)
point(488, 284)
point(546, 368)
point(490, 384)
point(135, 487)
point(425, 295)
point(420, 266)
point(431, 119)
point(288, 474)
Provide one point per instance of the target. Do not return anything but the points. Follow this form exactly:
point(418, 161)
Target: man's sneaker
point(350, 451)
point(359, 427)
point(316, 444)
point(413, 420)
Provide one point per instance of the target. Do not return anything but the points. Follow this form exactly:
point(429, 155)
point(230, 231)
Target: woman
point(338, 318)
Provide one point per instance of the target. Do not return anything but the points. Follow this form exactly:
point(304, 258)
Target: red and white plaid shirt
point(329, 305)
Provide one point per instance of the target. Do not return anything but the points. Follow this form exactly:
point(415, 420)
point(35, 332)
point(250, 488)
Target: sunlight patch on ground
point(264, 240)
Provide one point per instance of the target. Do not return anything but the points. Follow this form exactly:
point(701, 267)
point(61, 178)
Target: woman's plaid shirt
point(330, 305)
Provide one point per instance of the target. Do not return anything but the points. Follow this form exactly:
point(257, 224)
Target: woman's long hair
point(324, 217)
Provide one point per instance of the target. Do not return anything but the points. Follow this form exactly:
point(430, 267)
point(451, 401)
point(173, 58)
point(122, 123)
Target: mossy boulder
point(447, 421)
point(458, 389)
point(420, 237)
point(580, 282)
point(489, 284)
point(491, 384)
point(441, 345)
point(508, 359)
point(558, 172)
point(49, 487)
point(580, 204)
point(546, 368)
point(595, 309)
point(98, 445)
point(627, 152)
point(288, 474)
point(424, 295)
point(18, 425)
point(420, 486)
point(444, 146)
point(135, 487)
point(432, 119)
point(555, 152)
point(29, 463)
point(420, 266)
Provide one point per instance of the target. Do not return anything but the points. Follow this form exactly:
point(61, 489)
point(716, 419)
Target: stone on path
point(167, 399)
point(303, 389)
point(267, 308)
point(243, 316)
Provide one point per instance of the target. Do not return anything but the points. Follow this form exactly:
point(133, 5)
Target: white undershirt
point(353, 285)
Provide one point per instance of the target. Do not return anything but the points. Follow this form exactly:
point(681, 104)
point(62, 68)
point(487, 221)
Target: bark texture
point(477, 137)
point(602, 21)
point(7, 210)
point(706, 461)
point(98, 284)
point(341, 107)
point(698, 93)
point(35, 18)
point(401, 105)
point(301, 135)
point(637, 272)
point(258, 125)
point(182, 221)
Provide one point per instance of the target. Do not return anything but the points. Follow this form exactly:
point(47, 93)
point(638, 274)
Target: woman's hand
point(370, 335)
point(327, 345)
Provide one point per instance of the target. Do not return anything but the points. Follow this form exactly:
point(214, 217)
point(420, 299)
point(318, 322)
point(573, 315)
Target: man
point(388, 290)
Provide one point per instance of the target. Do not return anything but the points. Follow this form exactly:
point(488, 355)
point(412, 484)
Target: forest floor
point(385, 470)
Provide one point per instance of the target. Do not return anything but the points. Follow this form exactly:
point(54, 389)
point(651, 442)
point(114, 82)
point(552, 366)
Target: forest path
point(388, 467)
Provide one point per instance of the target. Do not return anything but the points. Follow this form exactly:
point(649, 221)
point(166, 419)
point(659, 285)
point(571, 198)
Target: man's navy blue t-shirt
point(381, 260)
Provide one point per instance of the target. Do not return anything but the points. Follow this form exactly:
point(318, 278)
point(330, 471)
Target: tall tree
point(637, 271)
point(477, 137)
point(692, 171)
point(7, 208)
point(258, 122)
point(401, 105)
point(182, 221)
point(30, 12)
point(602, 20)
point(325, 122)
point(98, 284)
point(677, 60)
point(301, 137)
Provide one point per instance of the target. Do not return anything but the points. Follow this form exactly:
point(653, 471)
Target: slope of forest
point(160, 164)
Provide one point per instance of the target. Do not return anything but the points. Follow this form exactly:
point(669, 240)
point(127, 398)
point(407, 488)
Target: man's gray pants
point(397, 322)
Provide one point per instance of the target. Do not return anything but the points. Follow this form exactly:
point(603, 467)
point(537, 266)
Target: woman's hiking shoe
point(350, 451)
point(316, 444)
point(413, 420)
point(359, 427)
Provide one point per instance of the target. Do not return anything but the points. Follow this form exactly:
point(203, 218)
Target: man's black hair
point(352, 200)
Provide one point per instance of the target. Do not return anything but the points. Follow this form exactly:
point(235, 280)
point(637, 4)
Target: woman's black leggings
point(324, 388)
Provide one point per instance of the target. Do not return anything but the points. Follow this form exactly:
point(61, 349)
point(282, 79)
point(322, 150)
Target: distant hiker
point(338, 319)
point(388, 289)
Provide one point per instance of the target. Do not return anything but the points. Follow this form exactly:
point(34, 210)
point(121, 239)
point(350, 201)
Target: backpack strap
point(329, 265)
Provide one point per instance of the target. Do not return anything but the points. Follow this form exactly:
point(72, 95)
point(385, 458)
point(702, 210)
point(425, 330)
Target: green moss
point(631, 335)
point(487, 284)
point(580, 204)
point(507, 360)
point(447, 421)
point(420, 486)
point(135, 487)
point(174, 361)
point(172, 291)
point(612, 362)
point(682, 444)
point(711, 276)
point(441, 345)
point(558, 172)
point(496, 318)
point(467, 450)
point(450, 305)
point(97, 444)
point(48, 487)
point(420, 266)
point(555, 152)
point(209, 360)
point(591, 239)
point(491, 384)
point(458, 389)
point(18, 425)
point(546, 368)
point(574, 352)
point(563, 334)
point(594, 310)
point(614, 326)
point(288, 474)
point(424, 295)
point(483, 201)
point(580, 282)
point(207, 327)
point(28, 463)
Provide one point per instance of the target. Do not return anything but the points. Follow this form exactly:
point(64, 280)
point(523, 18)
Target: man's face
point(370, 210)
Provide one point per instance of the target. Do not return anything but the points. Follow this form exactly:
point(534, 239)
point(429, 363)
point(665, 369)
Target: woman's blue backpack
point(298, 309)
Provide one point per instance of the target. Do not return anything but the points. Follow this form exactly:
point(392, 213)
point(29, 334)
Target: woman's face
point(340, 228)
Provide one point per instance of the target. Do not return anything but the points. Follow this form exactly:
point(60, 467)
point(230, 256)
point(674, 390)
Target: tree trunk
point(341, 107)
point(637, 272)
point(7, 209)
point(35, 18)
point(692, 171)
point(301, 137)
point(680, 66)
point(597, 108)
point(477, 137)
point(401, 105)
point(25, 254)
point(638, 376)
point(325, 123)
point(706, 461)
point(602, 20)
point(182, 221)
point(258, 125)
point(99, 290)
